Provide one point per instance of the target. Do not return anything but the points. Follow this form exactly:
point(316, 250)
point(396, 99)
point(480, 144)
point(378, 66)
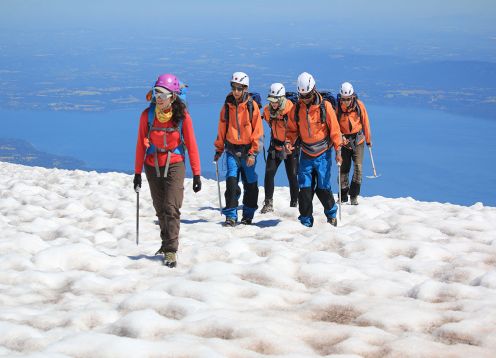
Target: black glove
point(137, 182)
point(196, 183)
point(217, 156)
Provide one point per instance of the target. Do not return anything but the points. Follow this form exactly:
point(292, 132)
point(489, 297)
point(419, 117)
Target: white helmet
point(277, 90)
point(305, 83)
point(241, 78)
point(346, 89)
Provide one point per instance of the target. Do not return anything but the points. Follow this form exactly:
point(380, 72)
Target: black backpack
point(252, 96)
point(326, 96)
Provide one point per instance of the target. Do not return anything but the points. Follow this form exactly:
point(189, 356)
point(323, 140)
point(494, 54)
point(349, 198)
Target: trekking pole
point(373, 166)
point(218, 185)
point(137, 215)
point(339, 191)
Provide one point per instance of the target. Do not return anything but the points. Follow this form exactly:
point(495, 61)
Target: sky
point(397, 277)
point(351, 20)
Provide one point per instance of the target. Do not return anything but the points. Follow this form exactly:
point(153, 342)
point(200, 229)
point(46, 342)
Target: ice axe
point(218, 184)
point(339, 191)
point(137, 215)
point(373, 166)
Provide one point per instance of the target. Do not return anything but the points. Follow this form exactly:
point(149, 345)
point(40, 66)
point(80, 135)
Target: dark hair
point(178, 111)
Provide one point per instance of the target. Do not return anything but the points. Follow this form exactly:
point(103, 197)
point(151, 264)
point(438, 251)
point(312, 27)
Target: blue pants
point(237, 167)
point(320, 167)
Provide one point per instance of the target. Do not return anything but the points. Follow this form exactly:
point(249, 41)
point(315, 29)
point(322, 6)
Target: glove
point(369, 145)
point(339, 158)
point(217, 156)
point(250, 160)
point(137, 182)
point(196, 183)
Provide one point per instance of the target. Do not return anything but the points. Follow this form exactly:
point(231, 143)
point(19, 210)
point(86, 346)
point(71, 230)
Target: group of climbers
point(305, 128)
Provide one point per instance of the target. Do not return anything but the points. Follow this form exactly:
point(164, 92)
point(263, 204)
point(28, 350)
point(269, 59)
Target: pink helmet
point(169, 82)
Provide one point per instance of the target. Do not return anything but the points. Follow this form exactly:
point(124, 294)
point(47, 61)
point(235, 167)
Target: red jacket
point(173, 139)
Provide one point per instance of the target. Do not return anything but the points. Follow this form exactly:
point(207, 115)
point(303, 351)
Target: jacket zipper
point(237, 122)
point(308, 124)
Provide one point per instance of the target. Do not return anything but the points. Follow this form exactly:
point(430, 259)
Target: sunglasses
point(163, 96)
point(237, 88)
point(346, 99)
point(306, 95)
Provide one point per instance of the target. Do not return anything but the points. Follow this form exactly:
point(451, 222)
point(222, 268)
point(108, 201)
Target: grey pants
point(167, 196)
point(357, 156)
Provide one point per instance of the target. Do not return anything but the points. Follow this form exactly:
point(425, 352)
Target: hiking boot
point(230, 222)
point(293, 203)
point(332, 221)
point(170, 259)
point(246, 221)
point(354, 200)
point(268, 207)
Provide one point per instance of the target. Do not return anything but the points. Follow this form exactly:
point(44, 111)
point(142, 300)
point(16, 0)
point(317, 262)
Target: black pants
point(291, 164)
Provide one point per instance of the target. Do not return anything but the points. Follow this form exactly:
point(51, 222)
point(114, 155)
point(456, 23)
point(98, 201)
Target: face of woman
point(275, 105)
point(164, 100)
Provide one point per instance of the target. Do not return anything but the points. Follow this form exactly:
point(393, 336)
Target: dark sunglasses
point(306, 95)
point(346, 99)
point(237, 88)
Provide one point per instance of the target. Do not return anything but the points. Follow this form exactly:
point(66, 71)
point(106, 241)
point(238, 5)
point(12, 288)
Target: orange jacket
point(278, 126)
point(349, 121)
point(241, 130)
point(310, 128)
point(173, 140)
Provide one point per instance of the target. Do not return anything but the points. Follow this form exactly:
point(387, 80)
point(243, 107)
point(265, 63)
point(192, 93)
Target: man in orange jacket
point(354, 123)
point(240, 135)
point(316, 124)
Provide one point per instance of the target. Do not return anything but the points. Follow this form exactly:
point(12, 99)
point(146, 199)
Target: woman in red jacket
point(165, 128)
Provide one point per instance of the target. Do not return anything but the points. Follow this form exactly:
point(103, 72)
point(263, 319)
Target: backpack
point(292, 96)
point(252, 96)
point(182, 93)
point(327, 96)
point(180, 149)
point(152, 149)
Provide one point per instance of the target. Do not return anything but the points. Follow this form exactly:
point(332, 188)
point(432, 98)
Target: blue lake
point(428, 155)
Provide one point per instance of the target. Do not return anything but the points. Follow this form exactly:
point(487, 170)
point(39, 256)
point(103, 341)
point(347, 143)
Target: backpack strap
point(152, 149)
point(249, 106)
point(297, 113)
point(323, 111)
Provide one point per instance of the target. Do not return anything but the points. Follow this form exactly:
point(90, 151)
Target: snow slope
point(396, 278)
